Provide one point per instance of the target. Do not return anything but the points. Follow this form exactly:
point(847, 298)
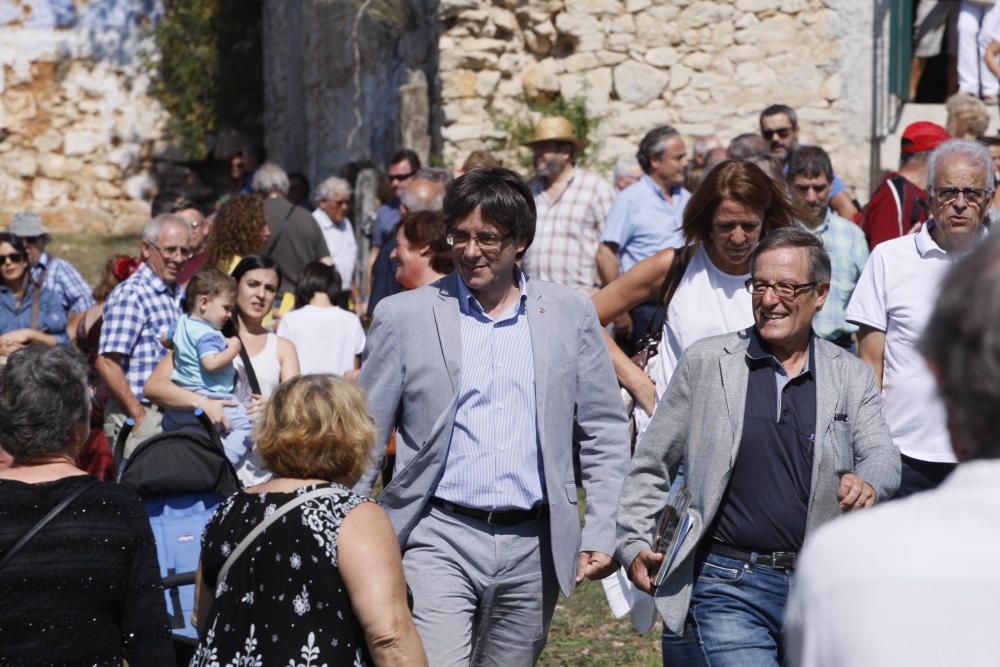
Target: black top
point(86, 589)
point(283, 601)
point(301, 240)
point(765, 505)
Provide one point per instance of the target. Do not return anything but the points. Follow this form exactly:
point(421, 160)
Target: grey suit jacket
point(412, 373)
point(699, 420)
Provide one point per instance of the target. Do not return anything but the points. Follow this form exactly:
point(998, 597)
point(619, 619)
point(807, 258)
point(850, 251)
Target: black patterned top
point(86, 589)
point(283, 601)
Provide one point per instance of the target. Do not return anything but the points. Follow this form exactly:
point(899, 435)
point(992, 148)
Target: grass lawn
point(89, 252)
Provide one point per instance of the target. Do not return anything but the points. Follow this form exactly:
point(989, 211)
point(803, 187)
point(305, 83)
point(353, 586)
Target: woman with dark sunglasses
point(29, 314)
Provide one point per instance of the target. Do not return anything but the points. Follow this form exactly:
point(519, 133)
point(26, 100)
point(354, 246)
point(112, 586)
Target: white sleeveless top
point(708, 302)
point(268, 369)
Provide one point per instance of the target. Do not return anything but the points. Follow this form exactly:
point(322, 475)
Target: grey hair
point(440, 175)
point(654, 145)
point(625, 164)
point(963, 344)
point(332, 187)
point(43, 396)
point(415, 203)
point(795, 237)
point(151, 232)
point(973, 151)
point(270, 178)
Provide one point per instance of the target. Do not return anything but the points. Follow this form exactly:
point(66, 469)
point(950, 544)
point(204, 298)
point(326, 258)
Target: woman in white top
point(735, 205)
point(273, 358)
point(328, 338)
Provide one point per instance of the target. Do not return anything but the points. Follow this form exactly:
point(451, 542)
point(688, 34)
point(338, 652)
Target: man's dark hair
point(317, 277)
point(748, 146)
point(775, 109)
point(653, 145)
point(810, 162)
point(795, 237)
point(409, 156)
point(169, 201)
point(503, 198)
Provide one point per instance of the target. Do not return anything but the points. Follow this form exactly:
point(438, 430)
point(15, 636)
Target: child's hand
point(234, 343)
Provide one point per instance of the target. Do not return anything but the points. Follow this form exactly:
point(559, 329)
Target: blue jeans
point(735, 618)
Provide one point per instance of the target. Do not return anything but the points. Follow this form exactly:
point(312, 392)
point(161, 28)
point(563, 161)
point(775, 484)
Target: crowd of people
point(734, 328)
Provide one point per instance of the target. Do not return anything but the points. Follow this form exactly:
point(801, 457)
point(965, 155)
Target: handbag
point(66, 502)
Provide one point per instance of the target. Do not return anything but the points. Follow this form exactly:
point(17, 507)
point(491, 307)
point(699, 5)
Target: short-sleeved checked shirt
point(62, 278)
point(568, 231)
point(140, 311)
point(848, 250)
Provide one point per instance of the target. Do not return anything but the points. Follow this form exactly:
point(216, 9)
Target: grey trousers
point(482, 595)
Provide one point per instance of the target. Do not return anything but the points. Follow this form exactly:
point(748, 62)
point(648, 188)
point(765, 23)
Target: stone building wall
point(79, 135)
point(704, 66)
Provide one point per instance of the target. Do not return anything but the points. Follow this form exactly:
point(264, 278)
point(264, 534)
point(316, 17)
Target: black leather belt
point(779, 560)
point(495, 517)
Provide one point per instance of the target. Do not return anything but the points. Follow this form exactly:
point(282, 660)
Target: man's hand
point(854, 492)
point(595, 565)
point(647, 561)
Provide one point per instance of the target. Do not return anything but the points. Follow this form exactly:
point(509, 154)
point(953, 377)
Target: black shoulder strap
point(248, 369)
point(276, 236)
point(46, 519)
point(682, 257)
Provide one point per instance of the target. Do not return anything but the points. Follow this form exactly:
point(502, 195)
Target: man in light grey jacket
point(491, 379)
point(778, 431)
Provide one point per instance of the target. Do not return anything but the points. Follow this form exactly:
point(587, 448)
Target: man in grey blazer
point(778, 431)
point(491, 380)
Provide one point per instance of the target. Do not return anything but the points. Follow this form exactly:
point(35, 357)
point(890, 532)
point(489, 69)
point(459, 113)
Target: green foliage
point(520, 127)
point(206, 71)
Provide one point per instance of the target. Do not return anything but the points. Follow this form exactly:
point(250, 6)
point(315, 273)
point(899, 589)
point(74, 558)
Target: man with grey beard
point(572, 205)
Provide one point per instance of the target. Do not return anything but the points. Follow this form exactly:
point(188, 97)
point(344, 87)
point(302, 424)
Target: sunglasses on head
point(14, 257)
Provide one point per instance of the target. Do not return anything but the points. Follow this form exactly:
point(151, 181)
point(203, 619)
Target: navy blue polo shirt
point(765, 505)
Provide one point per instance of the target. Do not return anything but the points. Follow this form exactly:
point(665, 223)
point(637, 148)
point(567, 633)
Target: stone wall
point(79, 135)
point(704, 66)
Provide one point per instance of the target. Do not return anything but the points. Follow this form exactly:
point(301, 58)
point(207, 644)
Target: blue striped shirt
point(494, 461)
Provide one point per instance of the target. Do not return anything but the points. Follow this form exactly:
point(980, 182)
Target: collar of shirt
point(146, 275)
point(469, 304)
point(926, 243)
point(651, 184)
point(325, 222)
point(758, 352)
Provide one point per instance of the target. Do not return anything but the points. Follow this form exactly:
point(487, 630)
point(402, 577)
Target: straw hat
point(555, 128)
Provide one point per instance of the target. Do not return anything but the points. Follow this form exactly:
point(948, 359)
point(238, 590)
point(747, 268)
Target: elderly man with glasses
point(50, 272)
point(779, 431)
point(893, 299)
point(138, 313)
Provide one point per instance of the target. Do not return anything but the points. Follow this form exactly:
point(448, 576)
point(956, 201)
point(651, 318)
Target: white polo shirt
point(895, 295)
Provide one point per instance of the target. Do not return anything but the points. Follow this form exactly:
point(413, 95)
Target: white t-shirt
point(708, 302)
point(895, 294)
point(899, 584)
point(327, 339)
point(341, 243)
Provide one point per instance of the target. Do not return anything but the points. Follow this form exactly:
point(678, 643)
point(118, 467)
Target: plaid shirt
point(845, 243)
point(568, 231)
point(62, 278)
point(137, 313)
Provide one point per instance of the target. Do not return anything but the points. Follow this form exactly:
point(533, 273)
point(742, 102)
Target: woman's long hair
point(237, 230)
point(6, 237)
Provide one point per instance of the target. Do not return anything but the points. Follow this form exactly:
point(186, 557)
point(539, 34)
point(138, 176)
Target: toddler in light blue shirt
point(203, 358)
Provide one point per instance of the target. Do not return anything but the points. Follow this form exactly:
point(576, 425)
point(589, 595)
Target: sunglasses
point(782, 132)
point(14, 258)
point(401, 177)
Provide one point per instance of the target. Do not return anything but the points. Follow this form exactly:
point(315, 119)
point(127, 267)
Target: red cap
point(922, 136)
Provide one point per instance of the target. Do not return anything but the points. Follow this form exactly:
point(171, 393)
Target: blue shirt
point(386, 218)
point(494, 461)
point(137, 313)
point(62, 278)
point(848, 250)
point(194, 339)
point(51, 316)
point(642, 221)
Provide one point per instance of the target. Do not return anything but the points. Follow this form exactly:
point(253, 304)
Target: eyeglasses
point(786, 291)
point(487, 241)
point(783, 132)
point(340, 202)
point(973, 196)
point(32, 240)
point(183, 252)
point(13, 258)
point(401, 177)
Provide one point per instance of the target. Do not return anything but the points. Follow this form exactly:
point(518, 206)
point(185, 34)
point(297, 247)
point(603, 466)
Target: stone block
point(794, 6)
point(664, 56)
point(722, 34)
point(680, 76)
point(540, 81)
point(462, 132)
point(486, 83)
point(20, 163)
point(18, 106)
point(45, 191)
point(746, 21)
point(831, 88)
point(47, 141)
point(699, 61)
point(101, 172)
point(610, 57)
point(584, 27)
point(623, 24)
point(594, 86)
point(637, 5)
point(124, 156)
point(703, 13)
point(623, 121)
point(596, 6)
point(757, 5)
point(743, 53)
point(691, 37)
point(83, 142)
point(538, 45)
point(766, 31)
point(580, 61)
point(638, 83)
point(139, 186)
point(12, 189)
point(59, 167)
point(459, 83)
point(544, 28)
point(504, 20)
point(106, 190)
point(451, 8)
point(753, 75)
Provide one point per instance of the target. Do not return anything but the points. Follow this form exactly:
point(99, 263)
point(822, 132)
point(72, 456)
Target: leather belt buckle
point(783, 560)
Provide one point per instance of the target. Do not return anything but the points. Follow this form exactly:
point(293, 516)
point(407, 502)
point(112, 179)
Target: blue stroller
point(182, 477)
